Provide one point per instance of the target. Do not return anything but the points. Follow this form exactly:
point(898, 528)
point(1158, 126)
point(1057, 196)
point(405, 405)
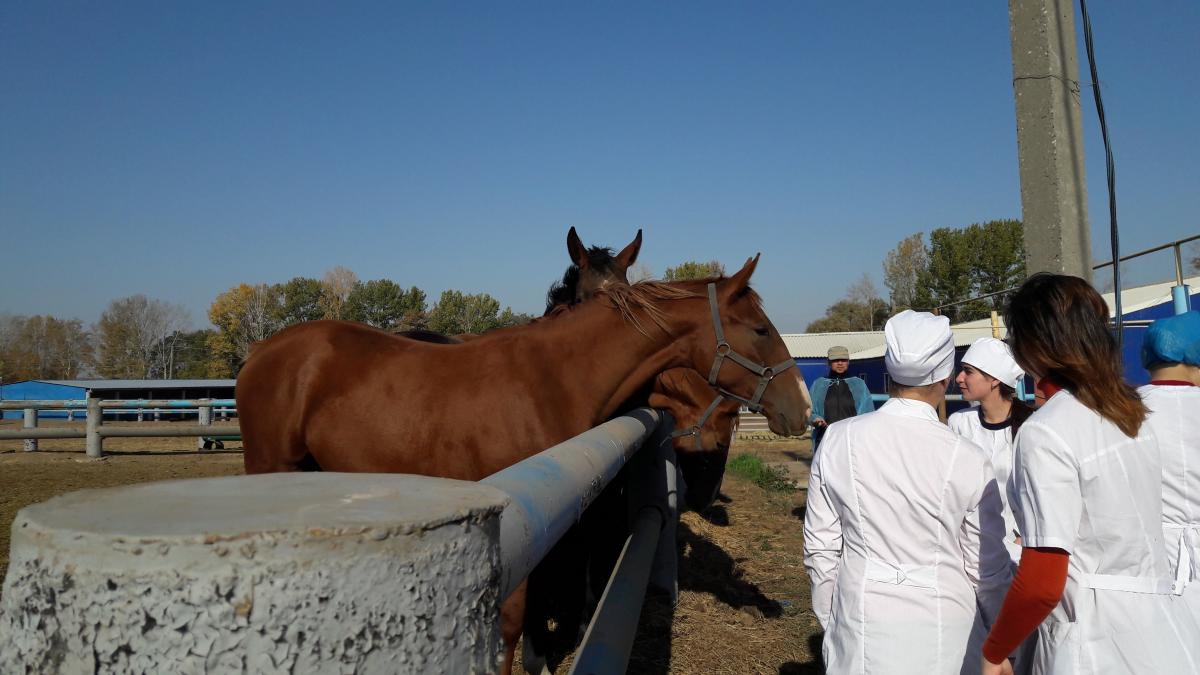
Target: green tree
point(300, 301)
point(511, 318)
point(456, 313)
point(193, 356)
point(969, 262)
point(691, 269)
point(381, 303)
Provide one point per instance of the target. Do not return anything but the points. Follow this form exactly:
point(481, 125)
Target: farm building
point(1139, 305)
point(57, 390)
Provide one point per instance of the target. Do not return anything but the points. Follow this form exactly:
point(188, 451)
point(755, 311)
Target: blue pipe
point(1183, 299)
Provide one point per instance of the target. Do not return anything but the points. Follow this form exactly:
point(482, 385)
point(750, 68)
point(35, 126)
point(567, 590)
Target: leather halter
point(725, 351)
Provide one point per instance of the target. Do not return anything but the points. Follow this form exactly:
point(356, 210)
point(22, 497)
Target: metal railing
point(550, 492)
point(94, 431)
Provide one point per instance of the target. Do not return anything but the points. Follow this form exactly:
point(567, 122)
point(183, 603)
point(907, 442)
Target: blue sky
point(177, 149)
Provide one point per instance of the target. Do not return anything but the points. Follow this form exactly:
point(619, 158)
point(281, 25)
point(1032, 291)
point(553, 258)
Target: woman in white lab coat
point(1171, 352)
point(902, 531)
point(990, 376)
point(1087, 488)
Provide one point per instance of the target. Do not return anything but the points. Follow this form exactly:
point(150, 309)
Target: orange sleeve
point(1035, 591)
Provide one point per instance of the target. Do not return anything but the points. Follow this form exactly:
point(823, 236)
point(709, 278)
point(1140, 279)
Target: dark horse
point(347, 397)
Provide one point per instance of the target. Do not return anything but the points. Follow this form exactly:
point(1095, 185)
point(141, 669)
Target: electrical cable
point(1111, 170)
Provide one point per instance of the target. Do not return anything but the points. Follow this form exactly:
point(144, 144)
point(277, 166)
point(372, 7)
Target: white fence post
point(94, 443)
point(31, 422)
point(204, 419)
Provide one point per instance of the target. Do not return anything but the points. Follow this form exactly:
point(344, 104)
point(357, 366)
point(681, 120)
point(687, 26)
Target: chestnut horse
point(467, 410)
point(557, 589)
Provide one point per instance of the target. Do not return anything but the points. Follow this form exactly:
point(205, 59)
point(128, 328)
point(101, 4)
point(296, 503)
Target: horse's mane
point(563, 292)
point(643, 297)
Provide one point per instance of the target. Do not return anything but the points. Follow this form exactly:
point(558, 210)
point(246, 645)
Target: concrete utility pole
point(1050, 137)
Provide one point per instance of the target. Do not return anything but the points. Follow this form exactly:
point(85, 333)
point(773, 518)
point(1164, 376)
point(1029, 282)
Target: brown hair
point(1058, 328)
point(1020, 410)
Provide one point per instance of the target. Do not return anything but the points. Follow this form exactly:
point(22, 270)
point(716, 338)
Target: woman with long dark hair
point(1087, 491)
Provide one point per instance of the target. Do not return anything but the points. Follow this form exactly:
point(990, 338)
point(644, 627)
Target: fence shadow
point(707, 568)
point(651, 654)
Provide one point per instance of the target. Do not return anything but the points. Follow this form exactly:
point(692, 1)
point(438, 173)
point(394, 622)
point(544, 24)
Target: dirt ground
point(744, 599)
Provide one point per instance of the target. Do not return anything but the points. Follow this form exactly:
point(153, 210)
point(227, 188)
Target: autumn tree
point(43, 348)
point(137, 336)
point(861, 309)
point(337, 285)
point(902, 271)
point(691, 269)
point(243, 315)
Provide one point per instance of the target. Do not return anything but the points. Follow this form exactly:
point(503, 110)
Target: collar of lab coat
point(907, 407)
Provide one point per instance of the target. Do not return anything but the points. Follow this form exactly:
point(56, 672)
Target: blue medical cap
point(1175, 339)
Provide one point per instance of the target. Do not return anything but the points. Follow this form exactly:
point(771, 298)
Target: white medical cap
point(920, 348)
point(995, 358)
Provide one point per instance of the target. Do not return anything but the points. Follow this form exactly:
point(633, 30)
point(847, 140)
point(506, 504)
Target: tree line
point(143, 338)
point(954, 265)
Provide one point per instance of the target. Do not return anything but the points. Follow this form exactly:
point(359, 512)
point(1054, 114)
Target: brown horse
point(347, 397)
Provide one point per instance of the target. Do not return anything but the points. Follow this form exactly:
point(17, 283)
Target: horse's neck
point(605, 358)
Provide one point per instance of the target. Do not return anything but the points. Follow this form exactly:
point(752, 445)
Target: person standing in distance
point(837, 396)
point(903, 536)
point(1171, 352)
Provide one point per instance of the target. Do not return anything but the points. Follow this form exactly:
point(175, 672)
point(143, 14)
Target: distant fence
point(95, 432)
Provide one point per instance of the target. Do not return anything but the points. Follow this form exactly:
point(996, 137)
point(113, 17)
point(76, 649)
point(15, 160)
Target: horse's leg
point(512, 616)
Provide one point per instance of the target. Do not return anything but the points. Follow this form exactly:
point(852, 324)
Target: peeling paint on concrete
point(289, 573)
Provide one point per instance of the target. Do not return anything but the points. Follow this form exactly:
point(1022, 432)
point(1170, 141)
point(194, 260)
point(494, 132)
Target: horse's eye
point(763, 331)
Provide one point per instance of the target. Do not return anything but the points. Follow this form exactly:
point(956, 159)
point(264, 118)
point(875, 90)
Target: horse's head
point(704, 425)
point(597, 266)
point(751, 362)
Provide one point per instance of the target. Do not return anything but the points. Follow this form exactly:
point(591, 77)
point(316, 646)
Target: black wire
point(1111, 169)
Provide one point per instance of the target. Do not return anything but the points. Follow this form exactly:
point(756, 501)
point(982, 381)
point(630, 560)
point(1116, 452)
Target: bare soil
point(744, 595)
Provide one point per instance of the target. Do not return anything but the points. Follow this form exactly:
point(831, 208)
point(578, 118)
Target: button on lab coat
point(1175, 421)
point(1083, 486)
point(902, 530)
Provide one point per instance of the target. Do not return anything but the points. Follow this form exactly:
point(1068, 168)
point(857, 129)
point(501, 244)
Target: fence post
point(31, 419)
point(204, 418)
point(93, 442)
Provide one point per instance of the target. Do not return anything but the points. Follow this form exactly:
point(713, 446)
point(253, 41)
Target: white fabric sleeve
point(1048, 497)
point(985, 559)
point(822, 532)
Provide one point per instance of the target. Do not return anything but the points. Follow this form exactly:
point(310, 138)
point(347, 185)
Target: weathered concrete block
point(283, 573)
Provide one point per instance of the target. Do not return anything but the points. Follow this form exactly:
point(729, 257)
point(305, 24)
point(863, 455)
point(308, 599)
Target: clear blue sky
point(177, 149)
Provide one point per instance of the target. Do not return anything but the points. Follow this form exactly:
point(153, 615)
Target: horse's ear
point(739, 282)
point(576, 249)
point(629, 254)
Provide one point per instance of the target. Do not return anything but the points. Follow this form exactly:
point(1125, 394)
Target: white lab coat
point(902, 530)
point(1083, 486)
point(1175, 420)
point(997, 443)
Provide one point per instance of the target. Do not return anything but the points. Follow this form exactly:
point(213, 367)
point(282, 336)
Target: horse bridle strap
point(725, 351)
point(694, 430)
